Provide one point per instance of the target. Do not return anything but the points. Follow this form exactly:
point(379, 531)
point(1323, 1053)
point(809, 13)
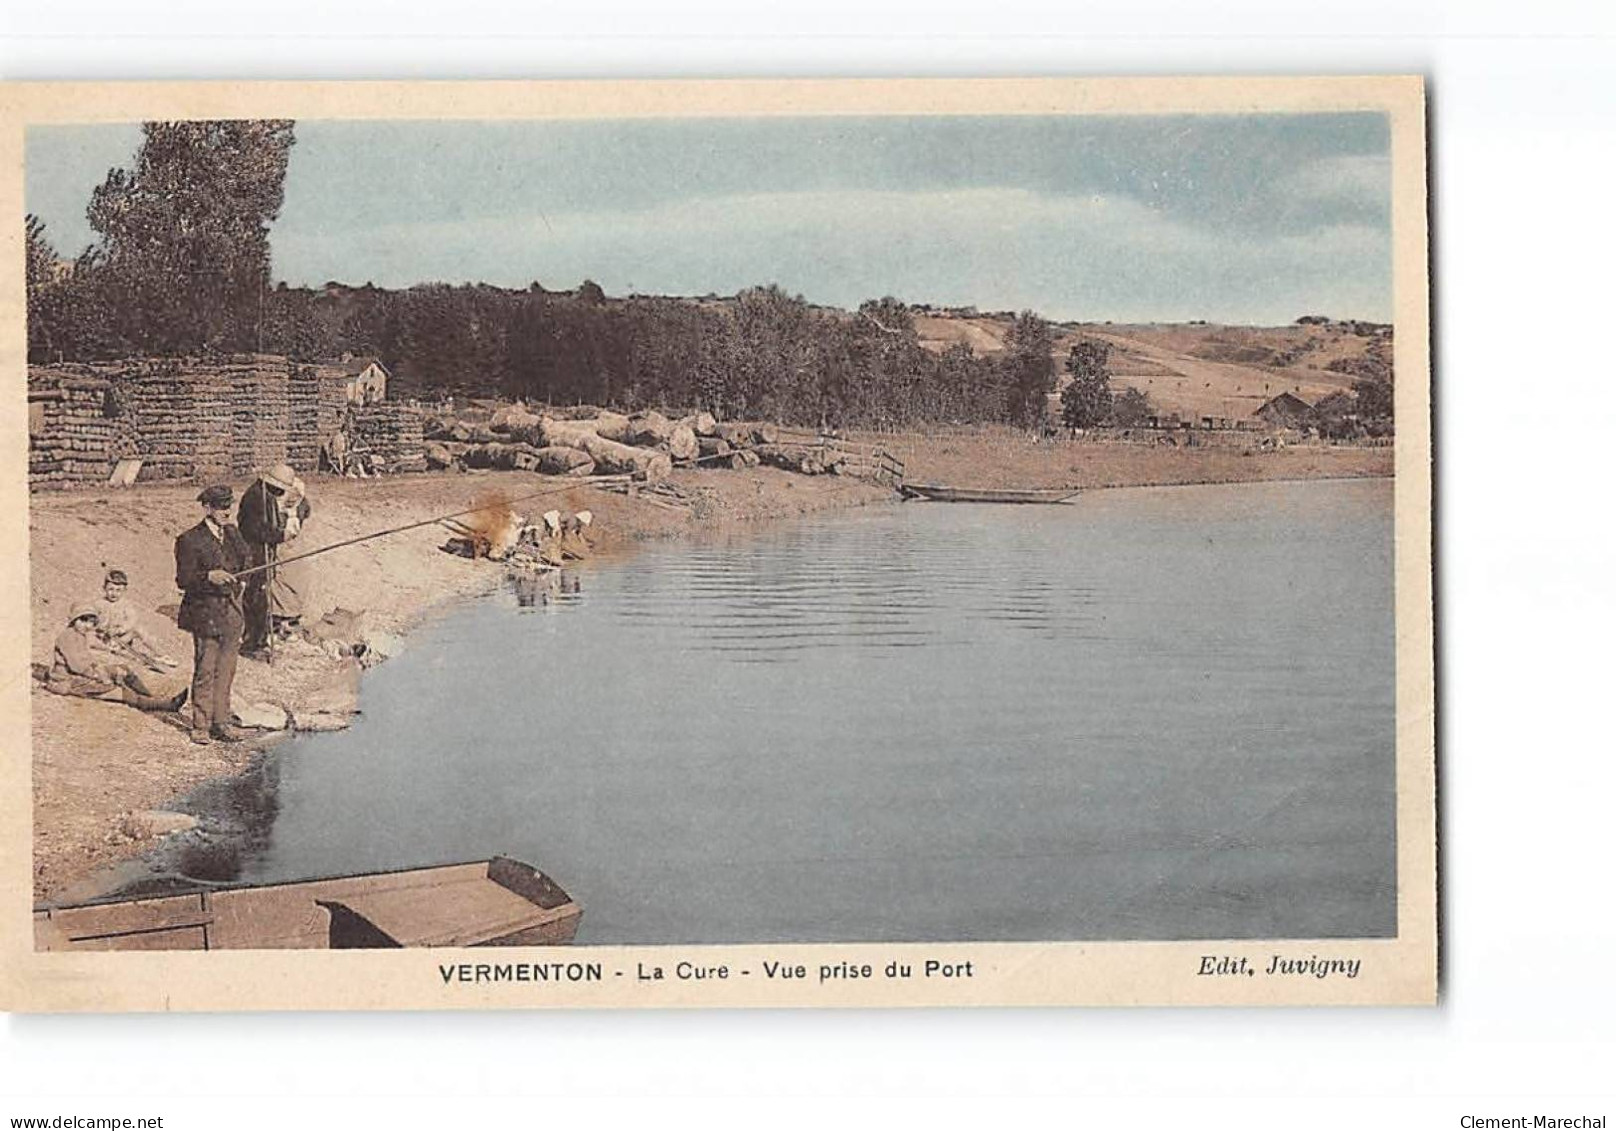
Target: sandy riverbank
point(95, 763)
point(1005, 457)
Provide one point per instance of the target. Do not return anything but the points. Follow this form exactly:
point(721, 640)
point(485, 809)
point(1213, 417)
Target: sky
point(1249, 219)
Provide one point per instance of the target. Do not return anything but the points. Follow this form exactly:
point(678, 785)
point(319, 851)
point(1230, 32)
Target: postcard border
point(1402, 970)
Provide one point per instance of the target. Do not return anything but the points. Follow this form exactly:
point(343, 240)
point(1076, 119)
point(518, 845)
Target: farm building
point(367, 380)
point(1286, 411)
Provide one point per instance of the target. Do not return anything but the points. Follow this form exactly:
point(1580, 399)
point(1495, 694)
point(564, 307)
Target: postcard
point(724, 544)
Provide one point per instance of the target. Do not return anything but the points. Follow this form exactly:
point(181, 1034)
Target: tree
point(1131, 408)
point(1374, 398)
point(1086, 401)
point(44, 290)
point(1028, 370)
point(1337, 416)
point(184, 235)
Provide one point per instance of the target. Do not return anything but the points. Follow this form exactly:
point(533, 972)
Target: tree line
point(181, 267)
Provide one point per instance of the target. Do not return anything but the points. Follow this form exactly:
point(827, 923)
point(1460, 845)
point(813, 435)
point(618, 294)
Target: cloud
point(1090, 256)
point(1360, 179)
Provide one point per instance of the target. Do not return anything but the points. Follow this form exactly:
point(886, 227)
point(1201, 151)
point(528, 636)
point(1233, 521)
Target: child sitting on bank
point(80, 667)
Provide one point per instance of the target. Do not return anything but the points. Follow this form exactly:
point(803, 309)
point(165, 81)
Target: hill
point(1193, 369)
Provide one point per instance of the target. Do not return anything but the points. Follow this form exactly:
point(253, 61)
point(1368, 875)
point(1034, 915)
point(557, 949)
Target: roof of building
point(353, 367)
point(1285, 403)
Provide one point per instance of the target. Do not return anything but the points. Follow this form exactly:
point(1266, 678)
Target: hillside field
point(1193, 369)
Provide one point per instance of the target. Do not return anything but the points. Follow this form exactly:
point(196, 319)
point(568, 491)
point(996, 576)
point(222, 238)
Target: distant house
point(366, 380)
point(1286, 411)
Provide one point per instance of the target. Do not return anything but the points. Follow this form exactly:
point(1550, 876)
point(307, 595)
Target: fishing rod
point(239, 574)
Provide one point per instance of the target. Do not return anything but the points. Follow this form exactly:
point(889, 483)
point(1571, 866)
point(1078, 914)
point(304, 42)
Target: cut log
point(747, 435)
point(701, 423)
point(511, 416)
point(502, 457)
point(611, 426)
point(530, 431)
point(804, 461)
point(648, 429)
point(713, 446)
point(518, 425)
point(565, 433)
point(438, 456)
point(565, 461)
point(611, 457)
point(736, 435)
point(681, 442)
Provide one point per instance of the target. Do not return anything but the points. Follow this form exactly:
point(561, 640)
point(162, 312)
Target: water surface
point(1149, 714)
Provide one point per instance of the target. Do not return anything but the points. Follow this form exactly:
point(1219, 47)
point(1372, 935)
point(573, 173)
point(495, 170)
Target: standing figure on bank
point(206, 559)
point(289, 582)
point(265, 509)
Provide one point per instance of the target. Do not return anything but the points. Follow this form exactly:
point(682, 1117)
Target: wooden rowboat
point(940, 494)
point(498, 902)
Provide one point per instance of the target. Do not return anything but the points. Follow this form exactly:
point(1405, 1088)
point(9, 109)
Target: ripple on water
point(1153, 714)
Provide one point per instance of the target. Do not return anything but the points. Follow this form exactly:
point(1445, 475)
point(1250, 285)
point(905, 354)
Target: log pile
point(260, 392)
point(393, 435)
point(200, 420)
point(610, 457)
point(184, 417)
point(317, 396)
point(644, 447)
point(70, 438)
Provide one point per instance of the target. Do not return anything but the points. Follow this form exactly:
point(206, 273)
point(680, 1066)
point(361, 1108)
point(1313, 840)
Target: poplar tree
point(1086, 400)
point(183, 253)
point(1029, 370)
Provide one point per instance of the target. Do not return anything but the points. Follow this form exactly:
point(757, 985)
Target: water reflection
point(235, 816)
point(544, 589)
point(1155, 715)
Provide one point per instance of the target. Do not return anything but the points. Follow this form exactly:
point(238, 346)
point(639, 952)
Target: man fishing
point(206, 559)
point(271, 511)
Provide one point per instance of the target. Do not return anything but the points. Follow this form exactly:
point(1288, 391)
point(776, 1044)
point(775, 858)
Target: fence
point(847, 457)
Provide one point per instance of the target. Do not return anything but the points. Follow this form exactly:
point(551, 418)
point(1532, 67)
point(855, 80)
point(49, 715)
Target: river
point(1147, 714)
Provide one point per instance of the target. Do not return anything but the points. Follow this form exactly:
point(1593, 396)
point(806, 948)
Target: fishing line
point(400, 529)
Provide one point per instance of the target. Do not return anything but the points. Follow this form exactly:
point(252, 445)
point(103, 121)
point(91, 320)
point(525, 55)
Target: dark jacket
point(208, 609)
point(261, 523)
